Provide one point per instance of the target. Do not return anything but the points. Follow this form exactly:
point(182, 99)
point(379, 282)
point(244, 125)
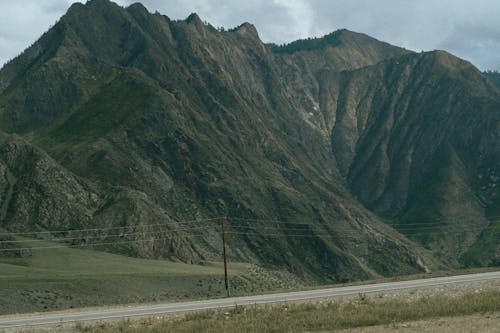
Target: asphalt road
point(149, 310)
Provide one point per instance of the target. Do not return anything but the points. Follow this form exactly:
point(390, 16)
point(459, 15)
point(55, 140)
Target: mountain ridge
point(174, 120)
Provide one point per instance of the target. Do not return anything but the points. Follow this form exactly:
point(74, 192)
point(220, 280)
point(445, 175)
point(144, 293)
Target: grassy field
point(365, 312)
point(62, 278)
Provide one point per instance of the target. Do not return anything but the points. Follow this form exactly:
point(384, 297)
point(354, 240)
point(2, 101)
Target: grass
point(74, 262)
point(485, 323)
point(62, 278)
point(332, 315)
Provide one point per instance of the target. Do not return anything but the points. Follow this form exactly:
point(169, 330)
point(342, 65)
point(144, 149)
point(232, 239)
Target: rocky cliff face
point(120, 118)
point(412, 145)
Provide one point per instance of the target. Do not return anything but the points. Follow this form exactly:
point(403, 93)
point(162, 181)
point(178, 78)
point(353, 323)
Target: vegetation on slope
point(53, 276)
point(159, 121)
point(120, 117)
point(308, 44)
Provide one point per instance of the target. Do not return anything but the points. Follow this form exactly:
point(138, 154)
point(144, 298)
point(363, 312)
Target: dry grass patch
point(362, 311)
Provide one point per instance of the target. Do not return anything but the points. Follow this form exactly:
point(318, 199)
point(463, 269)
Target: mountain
point(421, 143)
point(337, 158)
point(494, 77)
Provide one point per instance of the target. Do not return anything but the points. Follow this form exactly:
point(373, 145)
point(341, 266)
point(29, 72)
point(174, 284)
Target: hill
point(118, 117)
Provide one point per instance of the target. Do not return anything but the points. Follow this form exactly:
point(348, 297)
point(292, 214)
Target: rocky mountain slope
point(415, 148)
point(493, 76)
point(118, 118)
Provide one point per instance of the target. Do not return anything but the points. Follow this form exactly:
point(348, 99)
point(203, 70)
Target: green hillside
point(54, 276)
point(117, 117)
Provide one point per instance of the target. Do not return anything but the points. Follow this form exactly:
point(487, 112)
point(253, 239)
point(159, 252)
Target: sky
point(467, 28)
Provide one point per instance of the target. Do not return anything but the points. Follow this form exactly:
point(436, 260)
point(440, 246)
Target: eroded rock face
point(41, 195)
point(128, 119)
point(411, 144)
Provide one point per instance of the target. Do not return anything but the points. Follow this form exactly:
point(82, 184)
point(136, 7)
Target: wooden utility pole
point(224, 252)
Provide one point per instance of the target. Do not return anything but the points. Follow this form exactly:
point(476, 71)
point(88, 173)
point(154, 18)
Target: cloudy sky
point(467, 28)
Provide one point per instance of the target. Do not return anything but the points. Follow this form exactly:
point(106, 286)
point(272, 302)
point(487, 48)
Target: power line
point(145, 232)
point(101, 229)
point(272, 235)
point(437, 227)
point(407, 229)
point(442, 219)
point(331, 234)
point(87, 244)
point(142, 225)
point(394, 226)
point(248, 227)
point(103, 236)
point(410, 230)
point(447, 222)
point(424, 221)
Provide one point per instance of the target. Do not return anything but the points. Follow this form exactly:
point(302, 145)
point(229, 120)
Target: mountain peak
point(137, 6)
point(75, 9)
point(165, 120)
point(194, 19)
point(76, 6)
point(100, 3)
point(94, 6)
point(247, 29)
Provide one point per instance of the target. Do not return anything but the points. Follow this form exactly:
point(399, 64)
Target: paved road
point(148, 310)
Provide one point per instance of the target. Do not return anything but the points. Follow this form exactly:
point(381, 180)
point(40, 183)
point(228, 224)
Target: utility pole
point(224, 252)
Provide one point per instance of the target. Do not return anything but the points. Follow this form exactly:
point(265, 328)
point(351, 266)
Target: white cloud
point(468, 28)
point(24, 21)
point(299, 20)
